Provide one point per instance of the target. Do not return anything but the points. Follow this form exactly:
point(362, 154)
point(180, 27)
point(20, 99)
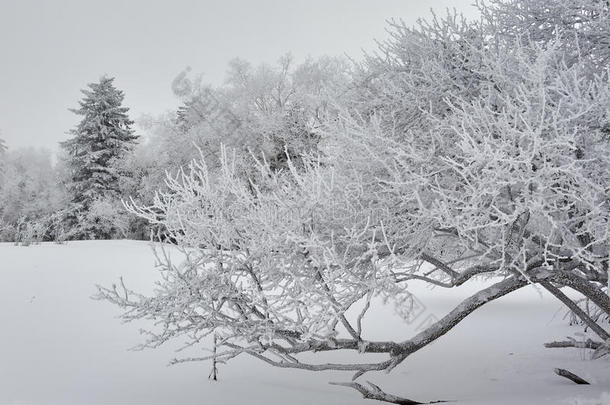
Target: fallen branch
point(587, 344)
point(570, 376)
point(601, 349)
point(374, 392)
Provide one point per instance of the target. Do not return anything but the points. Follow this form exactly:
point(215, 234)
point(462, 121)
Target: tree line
point(259, 111)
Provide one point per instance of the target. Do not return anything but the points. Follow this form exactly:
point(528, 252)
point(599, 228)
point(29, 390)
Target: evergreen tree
point(102, 138)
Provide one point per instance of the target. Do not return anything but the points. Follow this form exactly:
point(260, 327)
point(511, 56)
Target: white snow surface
point(60, 347)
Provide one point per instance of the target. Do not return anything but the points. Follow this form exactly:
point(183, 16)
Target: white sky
point(52, 49)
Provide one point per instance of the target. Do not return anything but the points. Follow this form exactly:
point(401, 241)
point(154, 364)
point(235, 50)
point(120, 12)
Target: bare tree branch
point(576, 309)
point(584, 287)
point(461, 311)
point(439, 264)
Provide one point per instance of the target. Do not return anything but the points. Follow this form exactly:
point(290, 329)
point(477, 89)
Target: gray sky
point(52, 49)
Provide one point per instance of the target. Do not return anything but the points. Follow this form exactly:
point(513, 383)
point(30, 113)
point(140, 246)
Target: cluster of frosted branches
point(508, 160)
point(583, 25)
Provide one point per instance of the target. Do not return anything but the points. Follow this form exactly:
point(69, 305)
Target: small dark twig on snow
point(570, 376)
point(374, 392)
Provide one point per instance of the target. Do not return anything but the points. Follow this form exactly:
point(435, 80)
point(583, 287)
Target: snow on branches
point(466, 152)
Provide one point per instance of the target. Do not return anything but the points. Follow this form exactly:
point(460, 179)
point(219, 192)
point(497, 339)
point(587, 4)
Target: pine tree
point(99, 141)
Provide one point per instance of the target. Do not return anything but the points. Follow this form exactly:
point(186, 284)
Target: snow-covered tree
point(468, 153)
point(29, 196)
point(245, 113)
point(268, 110)
point(103, 137)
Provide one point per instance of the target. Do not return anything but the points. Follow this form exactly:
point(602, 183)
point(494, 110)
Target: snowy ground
point(57, 346)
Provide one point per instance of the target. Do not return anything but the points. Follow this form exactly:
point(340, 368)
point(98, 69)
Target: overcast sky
point(52, 49)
